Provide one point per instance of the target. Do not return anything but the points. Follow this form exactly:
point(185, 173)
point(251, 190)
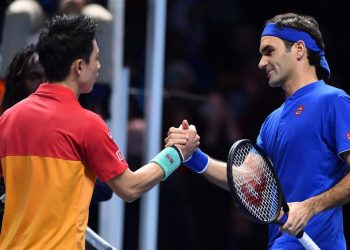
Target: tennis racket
point(255, 187)
point(96, 241)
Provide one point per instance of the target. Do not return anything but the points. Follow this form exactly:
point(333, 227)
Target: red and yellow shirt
point(51, 151)
point(2, 92)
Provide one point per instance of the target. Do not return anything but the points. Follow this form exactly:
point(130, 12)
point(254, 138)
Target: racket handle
point(303, 237)
point(283, 220)
point(306, 241)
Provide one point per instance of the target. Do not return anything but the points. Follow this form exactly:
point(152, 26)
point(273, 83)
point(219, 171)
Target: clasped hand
point(185, 137)
point(298, 216)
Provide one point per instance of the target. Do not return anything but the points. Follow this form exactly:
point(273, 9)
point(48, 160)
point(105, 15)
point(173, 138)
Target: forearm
point(213, 170)
point(131, 185)
point(336, 196)
point(301, 212)
point(216, 173)
point(145, 178)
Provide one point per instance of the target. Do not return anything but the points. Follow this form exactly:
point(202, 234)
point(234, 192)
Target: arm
point(213, 170)
point(336, 196)
point(216, 173)
point(131, 185)
point(103, 156)
point(301, 212)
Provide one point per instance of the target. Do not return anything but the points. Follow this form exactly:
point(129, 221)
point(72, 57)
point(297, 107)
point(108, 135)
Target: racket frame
point(281, 200)
point(303, 237)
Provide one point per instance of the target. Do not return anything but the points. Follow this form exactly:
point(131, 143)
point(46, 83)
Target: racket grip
point(306, 241)
point(283, 220)
point(303, 237)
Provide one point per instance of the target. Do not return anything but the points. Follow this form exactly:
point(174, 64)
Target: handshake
point(186, 139)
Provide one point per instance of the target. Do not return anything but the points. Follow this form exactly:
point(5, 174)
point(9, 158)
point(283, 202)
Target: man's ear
point(301, 49)
point(77, 66)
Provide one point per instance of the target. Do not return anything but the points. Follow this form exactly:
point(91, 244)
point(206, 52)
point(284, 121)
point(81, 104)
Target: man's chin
point(274, 84)
point(87, 90)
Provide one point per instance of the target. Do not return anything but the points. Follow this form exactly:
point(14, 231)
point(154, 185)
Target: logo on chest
point(348, 135)
point(299, 110)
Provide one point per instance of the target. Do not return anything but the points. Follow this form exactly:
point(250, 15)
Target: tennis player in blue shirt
point(307, 138)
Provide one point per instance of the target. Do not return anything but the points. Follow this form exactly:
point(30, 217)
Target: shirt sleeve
point(260, 138)
point(101, 153)
point(338, 123)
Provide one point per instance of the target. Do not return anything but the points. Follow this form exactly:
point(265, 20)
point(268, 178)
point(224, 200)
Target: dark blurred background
point(212, 80)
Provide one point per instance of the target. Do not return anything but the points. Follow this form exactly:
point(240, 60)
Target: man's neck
point(69, 84)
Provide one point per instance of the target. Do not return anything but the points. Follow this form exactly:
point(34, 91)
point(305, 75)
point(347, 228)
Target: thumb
point(185, 125)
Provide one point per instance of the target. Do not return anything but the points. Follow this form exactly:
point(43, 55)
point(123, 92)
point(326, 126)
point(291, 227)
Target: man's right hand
point(184, 137)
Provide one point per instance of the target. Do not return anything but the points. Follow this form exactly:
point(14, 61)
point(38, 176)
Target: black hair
point(66, 39)
point(15, 76)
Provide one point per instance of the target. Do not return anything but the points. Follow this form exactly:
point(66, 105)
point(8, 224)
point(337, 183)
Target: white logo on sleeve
point(120, 155)
point(110, 135)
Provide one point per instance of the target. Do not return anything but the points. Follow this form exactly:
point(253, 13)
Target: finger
point(192, 131)
point(171, 130)
point(176, 130)
point(280, 216)
point(192, 127)
point(285, 226)
point(288, 226)
point(172, 142)
point(299, 226)
point(184, 124)
point(166, 140)
point(297, 231)
point(194, 140)
point(172, 136)
point(182, 135)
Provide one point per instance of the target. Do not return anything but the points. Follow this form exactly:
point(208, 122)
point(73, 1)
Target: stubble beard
point(274, 83)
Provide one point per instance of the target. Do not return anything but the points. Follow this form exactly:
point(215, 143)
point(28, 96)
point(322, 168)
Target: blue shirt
point(304, 138)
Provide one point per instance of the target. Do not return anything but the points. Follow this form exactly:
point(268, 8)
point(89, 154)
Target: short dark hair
point(309, 25)
point(15, 76)
point(66, 38)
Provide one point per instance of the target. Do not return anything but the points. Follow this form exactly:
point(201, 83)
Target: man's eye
point(269, 51)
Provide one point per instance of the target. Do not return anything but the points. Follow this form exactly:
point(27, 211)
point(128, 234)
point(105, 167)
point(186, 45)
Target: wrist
point(168, 159)
point(198, 161)
point(312, 206)
point(179, 152)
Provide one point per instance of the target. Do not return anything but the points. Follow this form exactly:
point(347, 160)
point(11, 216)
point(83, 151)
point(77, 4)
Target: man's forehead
point(270, 41)
point(95, 46)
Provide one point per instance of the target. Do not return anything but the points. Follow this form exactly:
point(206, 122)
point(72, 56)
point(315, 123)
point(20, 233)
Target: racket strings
point(255, 183)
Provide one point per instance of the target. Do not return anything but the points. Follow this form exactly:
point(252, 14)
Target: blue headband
point(294, 35)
